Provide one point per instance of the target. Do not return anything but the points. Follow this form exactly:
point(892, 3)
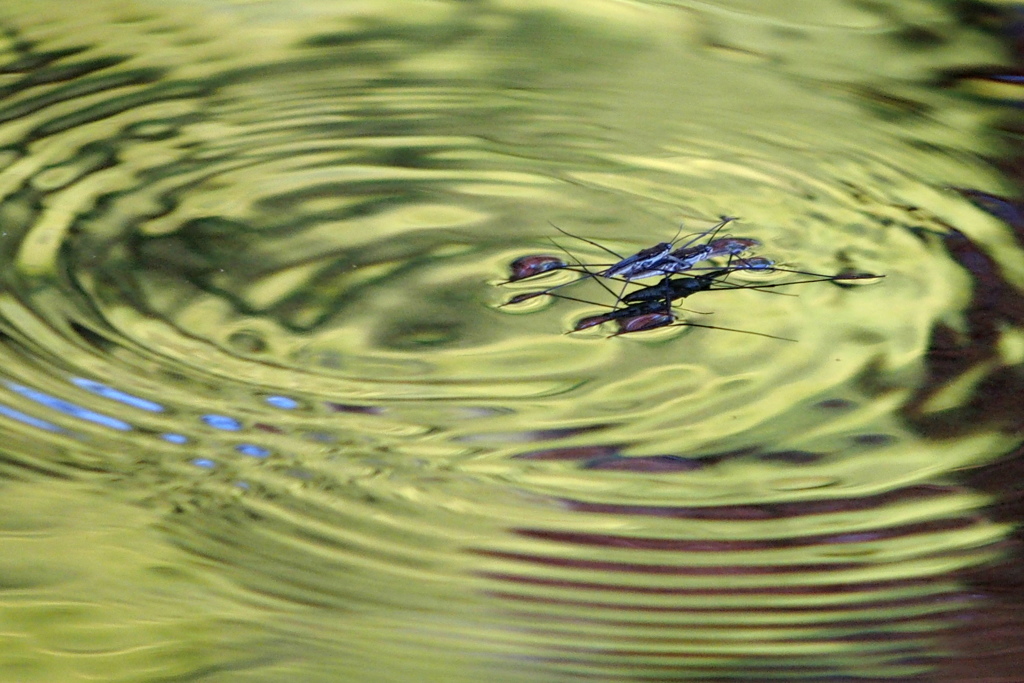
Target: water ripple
point(252, 320)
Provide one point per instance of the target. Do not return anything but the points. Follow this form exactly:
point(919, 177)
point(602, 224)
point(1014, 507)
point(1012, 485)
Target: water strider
point(664, 257)
point(648, 315)
point(659, 260)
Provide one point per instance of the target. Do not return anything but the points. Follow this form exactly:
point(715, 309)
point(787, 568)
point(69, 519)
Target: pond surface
point(265, 417)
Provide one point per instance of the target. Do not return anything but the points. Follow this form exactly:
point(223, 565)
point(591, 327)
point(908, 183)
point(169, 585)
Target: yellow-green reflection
point(266, 418)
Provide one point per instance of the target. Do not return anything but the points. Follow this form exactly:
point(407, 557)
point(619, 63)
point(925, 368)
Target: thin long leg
point(584, 239)
point(710, 327)
point(733, 329)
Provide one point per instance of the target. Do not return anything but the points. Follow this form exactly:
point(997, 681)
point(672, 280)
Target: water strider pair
point(650, 307)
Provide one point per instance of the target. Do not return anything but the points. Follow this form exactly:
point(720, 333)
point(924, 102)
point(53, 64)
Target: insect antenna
point(711, 232)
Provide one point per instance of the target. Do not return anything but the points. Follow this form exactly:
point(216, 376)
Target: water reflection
point(266, 419)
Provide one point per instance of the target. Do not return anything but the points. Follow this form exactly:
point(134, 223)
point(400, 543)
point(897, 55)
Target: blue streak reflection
point(69, 408)
point(103, 390)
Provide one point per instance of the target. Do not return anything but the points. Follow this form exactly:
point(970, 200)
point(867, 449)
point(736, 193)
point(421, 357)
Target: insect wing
point(638, 262)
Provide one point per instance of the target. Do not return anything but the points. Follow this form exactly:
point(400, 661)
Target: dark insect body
point(633, 310)
point(670, 289)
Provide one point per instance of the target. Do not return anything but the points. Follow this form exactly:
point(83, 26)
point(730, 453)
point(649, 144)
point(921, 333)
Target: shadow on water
point(266, 418)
